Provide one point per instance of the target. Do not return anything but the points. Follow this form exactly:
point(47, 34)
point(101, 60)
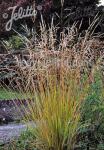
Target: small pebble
point(3, 119)
point(4, 109)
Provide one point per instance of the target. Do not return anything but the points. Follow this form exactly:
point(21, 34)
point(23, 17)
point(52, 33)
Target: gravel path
point(9, 132)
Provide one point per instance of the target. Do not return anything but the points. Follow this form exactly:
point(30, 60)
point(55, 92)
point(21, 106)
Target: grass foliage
point(56, 111)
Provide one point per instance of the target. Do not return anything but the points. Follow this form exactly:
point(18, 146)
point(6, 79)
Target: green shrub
point(14, 43)
point(92, 131)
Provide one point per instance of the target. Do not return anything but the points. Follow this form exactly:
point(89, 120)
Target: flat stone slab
point(10, 132)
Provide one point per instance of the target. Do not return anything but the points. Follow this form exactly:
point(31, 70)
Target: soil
point(11, 110)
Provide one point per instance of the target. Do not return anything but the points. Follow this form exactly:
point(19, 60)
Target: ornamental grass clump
point(56, 75)
point(55, 109)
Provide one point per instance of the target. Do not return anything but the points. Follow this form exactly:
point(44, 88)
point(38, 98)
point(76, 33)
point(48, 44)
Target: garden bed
point(9, 112)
